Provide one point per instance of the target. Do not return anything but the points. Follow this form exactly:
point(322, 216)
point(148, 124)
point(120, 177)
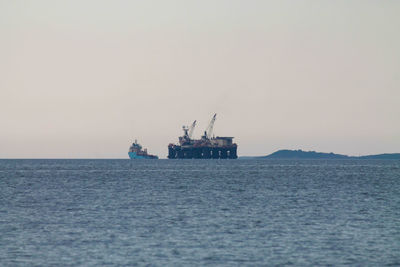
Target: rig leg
point(180, 154)
point(206, 152)
point(171, 153)
point(233, 153)
point(215, 153)
point(224, 153)
point(197, 153)
point(188, 153)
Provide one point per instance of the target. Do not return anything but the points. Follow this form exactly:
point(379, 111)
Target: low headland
point(300, 154)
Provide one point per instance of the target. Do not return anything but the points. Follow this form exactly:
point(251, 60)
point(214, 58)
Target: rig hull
point(205, 152)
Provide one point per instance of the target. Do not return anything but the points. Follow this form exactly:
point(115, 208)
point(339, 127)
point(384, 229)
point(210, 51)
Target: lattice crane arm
point(191, 129)
point(211, 126)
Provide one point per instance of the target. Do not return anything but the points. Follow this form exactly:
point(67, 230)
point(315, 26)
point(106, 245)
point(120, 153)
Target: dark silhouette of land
point(300, 154)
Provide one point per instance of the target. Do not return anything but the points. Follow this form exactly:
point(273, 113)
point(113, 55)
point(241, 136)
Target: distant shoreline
point(300, 154)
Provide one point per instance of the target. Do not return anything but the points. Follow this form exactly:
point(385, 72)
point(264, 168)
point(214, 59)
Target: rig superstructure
point(208, 147)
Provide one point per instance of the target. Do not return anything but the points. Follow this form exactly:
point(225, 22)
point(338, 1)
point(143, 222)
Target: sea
point(250, 212)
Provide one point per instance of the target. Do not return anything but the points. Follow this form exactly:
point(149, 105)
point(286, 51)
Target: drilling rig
point(208, 147)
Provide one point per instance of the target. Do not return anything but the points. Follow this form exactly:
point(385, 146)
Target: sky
point(83, 79)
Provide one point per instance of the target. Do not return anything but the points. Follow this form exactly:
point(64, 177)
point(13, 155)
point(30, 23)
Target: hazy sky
point(85, 78)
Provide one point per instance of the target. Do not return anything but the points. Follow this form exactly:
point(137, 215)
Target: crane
point(208, 132)
point(188, 131)
point(191, 129)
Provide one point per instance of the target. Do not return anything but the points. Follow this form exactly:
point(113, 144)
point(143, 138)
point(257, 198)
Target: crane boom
point(191, 129)
point(211, 126)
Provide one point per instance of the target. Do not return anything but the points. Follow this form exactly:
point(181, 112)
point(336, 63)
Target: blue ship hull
point(133, 155)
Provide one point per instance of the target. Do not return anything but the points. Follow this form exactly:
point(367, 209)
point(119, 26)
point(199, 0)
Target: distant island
point(300, 154)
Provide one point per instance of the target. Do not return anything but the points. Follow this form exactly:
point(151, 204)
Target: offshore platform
point(208, 147)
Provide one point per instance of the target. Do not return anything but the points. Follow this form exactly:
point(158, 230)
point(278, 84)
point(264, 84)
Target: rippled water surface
point(199, 212)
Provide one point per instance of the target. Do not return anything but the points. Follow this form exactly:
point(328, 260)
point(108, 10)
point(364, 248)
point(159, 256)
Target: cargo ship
point(208, 147)
point(136, 152)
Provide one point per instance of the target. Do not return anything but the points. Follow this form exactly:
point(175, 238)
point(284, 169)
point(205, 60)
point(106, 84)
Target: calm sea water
point(199, 212)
